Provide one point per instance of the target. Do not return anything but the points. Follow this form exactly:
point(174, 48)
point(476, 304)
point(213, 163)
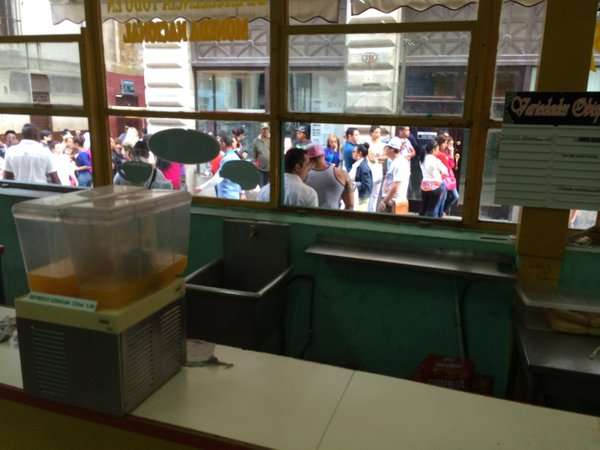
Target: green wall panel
point(368, 317)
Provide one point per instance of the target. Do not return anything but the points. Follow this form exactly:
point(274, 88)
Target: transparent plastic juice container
point(127, 246)
point(44, 244)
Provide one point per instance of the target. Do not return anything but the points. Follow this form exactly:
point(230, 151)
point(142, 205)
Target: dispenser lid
point(121, 207)
point(52, 207)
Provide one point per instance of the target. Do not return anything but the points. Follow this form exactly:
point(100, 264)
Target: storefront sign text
point(553, 108)
point(146, 6)
point(231, 29)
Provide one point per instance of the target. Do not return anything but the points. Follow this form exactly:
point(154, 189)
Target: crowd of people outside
point(375, 173)
point(42, 157)
point(379, 173)
point(384, 172)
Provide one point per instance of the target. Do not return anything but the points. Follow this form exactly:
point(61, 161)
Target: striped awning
point(300, 10)
point(387, 6)
point(146, 10)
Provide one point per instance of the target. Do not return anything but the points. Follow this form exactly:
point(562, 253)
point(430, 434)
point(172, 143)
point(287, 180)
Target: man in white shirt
point(29, 161)
point(296, 192)
point(395, 183)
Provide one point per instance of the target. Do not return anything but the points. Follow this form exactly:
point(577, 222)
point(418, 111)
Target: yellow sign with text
point(157, 6)
point(232, 29)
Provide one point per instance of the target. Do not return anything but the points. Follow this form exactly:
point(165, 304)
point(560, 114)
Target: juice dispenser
point(124, 247)
point(43, 241)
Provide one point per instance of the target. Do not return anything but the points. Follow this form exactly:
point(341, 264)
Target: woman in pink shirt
point(171, 171)
point(450, 196)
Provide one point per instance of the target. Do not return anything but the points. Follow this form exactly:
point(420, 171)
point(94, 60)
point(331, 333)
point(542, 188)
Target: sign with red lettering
point(552, 108)
point(549, 155)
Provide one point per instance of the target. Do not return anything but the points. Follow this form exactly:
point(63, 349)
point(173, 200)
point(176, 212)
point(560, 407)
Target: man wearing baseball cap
point(331, 183)
point(395, 183)
point(302, 137)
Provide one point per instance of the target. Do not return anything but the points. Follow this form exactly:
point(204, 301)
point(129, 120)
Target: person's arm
point(256, 150)
point(348, 193)
point(368, 180)
point(212, 182)
point(441, 167)
point(391, 193)
point(82, 162)
point(54, 178)
point(313, 200)
point(364, 179)
point(450, 159)
point(52, 171)
point(358, 178)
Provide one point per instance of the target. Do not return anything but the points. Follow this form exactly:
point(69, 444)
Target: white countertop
point(265, 400)
point(393, 414)
point(288, 404)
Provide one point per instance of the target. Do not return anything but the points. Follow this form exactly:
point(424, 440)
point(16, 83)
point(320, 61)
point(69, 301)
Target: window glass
point(200, 69)
point(27, 17)
point(45, 149)
point(344, 174)
point(519, 50)
point(240, 141)
point(490, 211)
point(231, 91)
point(578, 219)
point(317, 12)
point(40, 74)
point(411, 73)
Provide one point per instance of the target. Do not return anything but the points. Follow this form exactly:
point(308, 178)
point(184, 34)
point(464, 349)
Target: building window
point(410, 73)
point(519, 50)
point(230, 91)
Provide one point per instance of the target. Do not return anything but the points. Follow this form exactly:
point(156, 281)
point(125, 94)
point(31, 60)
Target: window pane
point(534, 17)
point(578, 219)
point(59, 155)
point(582, 220)
point(203, 180)
point(40, 74)
point(211, 75)
point(519, 50)
point(26, 17)
point(489, 210)
point(412, 73)
point(359, 181)
point(230, 91)
point(315, 12)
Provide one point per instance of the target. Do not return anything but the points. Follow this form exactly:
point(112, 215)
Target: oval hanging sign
point(243, 173)
point(136, 172)
point(184, 146)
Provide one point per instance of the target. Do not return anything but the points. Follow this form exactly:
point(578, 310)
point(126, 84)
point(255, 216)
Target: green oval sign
point(136, 172)
point(184, 146)
point(243, 173)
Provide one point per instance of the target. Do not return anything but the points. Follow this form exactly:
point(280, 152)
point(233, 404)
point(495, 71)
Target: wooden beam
point(369, 28)
point(187, 115)
point(565, 62)
point(94, 92)
point(483, 70)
